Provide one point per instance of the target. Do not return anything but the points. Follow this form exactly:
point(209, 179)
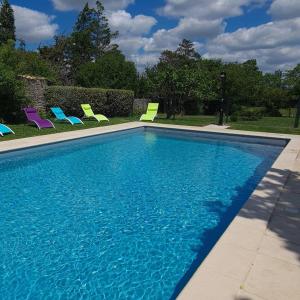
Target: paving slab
point(286, 228)
point(273, 279)
point(235, 235)
point(229, 260)
point(208, 285)
point(281, 249)
point(243, 295)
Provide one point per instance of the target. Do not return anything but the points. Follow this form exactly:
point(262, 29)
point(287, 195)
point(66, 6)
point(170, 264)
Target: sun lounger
point(5, 130)
point(33, 116)
point(151, 113)
point(60, 115)
point(88, 113)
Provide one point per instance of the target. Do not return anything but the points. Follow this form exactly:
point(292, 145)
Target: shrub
point(112, 103)
point(272, 111)
point(12, 97)
point(250, 115)
point(234, 117)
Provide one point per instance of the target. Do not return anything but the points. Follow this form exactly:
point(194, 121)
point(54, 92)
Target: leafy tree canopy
point(7, 23)
point(111, 70)
point(90, 39)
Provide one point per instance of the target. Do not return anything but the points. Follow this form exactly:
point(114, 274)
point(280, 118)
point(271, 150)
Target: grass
point(28, 130)
point(188, 120)
point(267, 124)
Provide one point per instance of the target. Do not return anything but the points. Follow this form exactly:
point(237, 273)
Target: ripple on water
point(123, 218)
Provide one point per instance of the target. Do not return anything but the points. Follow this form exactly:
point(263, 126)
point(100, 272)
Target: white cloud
point(33, 26)
point(285, 9)
point(190, 28)
point(66, 5)
point(275, 44)
point(193, 28)
point(198, 20)
point(123, 22)
point(207, 9)
point(145, 60)
point(132, 31)
point(131, 46)
point(266, 36)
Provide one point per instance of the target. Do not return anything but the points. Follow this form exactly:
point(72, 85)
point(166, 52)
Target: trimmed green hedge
point(112, 103)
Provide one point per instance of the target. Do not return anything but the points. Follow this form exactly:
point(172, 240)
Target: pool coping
point(226, 271)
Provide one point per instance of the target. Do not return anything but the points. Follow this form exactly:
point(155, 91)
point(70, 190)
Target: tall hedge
point(113, 103)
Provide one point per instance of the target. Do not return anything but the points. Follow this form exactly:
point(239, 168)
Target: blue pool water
point(124, 216)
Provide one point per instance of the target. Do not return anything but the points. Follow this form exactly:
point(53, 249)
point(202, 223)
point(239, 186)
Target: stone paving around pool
point(258, 256)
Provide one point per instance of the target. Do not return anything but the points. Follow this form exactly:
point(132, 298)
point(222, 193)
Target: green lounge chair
point(151, 113)
point(88, 113)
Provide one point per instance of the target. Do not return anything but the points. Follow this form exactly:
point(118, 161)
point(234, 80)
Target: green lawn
point(268, 124)
point(188, 120)
point(26, 130)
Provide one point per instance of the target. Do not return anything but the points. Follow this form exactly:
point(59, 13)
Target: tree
point(91, 36)
point(102, 34)
point(180, 80)
point(26, 62)
point(59, 56)
point(22, 45)
point(31, 63)
point(292, 83)
point(82, 48)
point(244, 85)
point(12, 97)
point(7, 23)
point(187, 49)
point(111, 70)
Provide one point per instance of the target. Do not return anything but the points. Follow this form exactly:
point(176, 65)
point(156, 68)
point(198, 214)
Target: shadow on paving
point(282, 203)
point(279, 207)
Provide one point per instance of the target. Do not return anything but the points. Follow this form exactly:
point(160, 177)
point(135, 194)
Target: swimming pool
point(126, 215)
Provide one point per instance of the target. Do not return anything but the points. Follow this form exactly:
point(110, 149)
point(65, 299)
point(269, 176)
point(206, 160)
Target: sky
point(231, 30)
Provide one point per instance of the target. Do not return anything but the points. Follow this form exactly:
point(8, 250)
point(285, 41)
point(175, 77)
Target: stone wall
point(35, 90)
point(140, 106)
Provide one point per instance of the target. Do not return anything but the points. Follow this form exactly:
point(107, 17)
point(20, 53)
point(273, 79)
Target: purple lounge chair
point(33, 116)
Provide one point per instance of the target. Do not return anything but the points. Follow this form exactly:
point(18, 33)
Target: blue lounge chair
point(4, 129)
point(60, 115)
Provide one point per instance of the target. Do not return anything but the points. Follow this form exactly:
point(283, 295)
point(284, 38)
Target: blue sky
point(233, 30)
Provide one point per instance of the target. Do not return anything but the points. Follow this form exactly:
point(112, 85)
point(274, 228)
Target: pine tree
point(7, 23)
point(22, 45)
point(102, 35)
point(82, 48)
point(91, 35)
point(186, 48)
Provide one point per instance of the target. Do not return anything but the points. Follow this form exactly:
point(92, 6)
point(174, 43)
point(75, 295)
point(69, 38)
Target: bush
point(113, 103)
point(12, 97)
point(272, 111)
point(247, 114)
point(234, 117)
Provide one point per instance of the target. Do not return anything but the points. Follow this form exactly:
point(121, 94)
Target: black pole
point(222, 104)
point(297, 118)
